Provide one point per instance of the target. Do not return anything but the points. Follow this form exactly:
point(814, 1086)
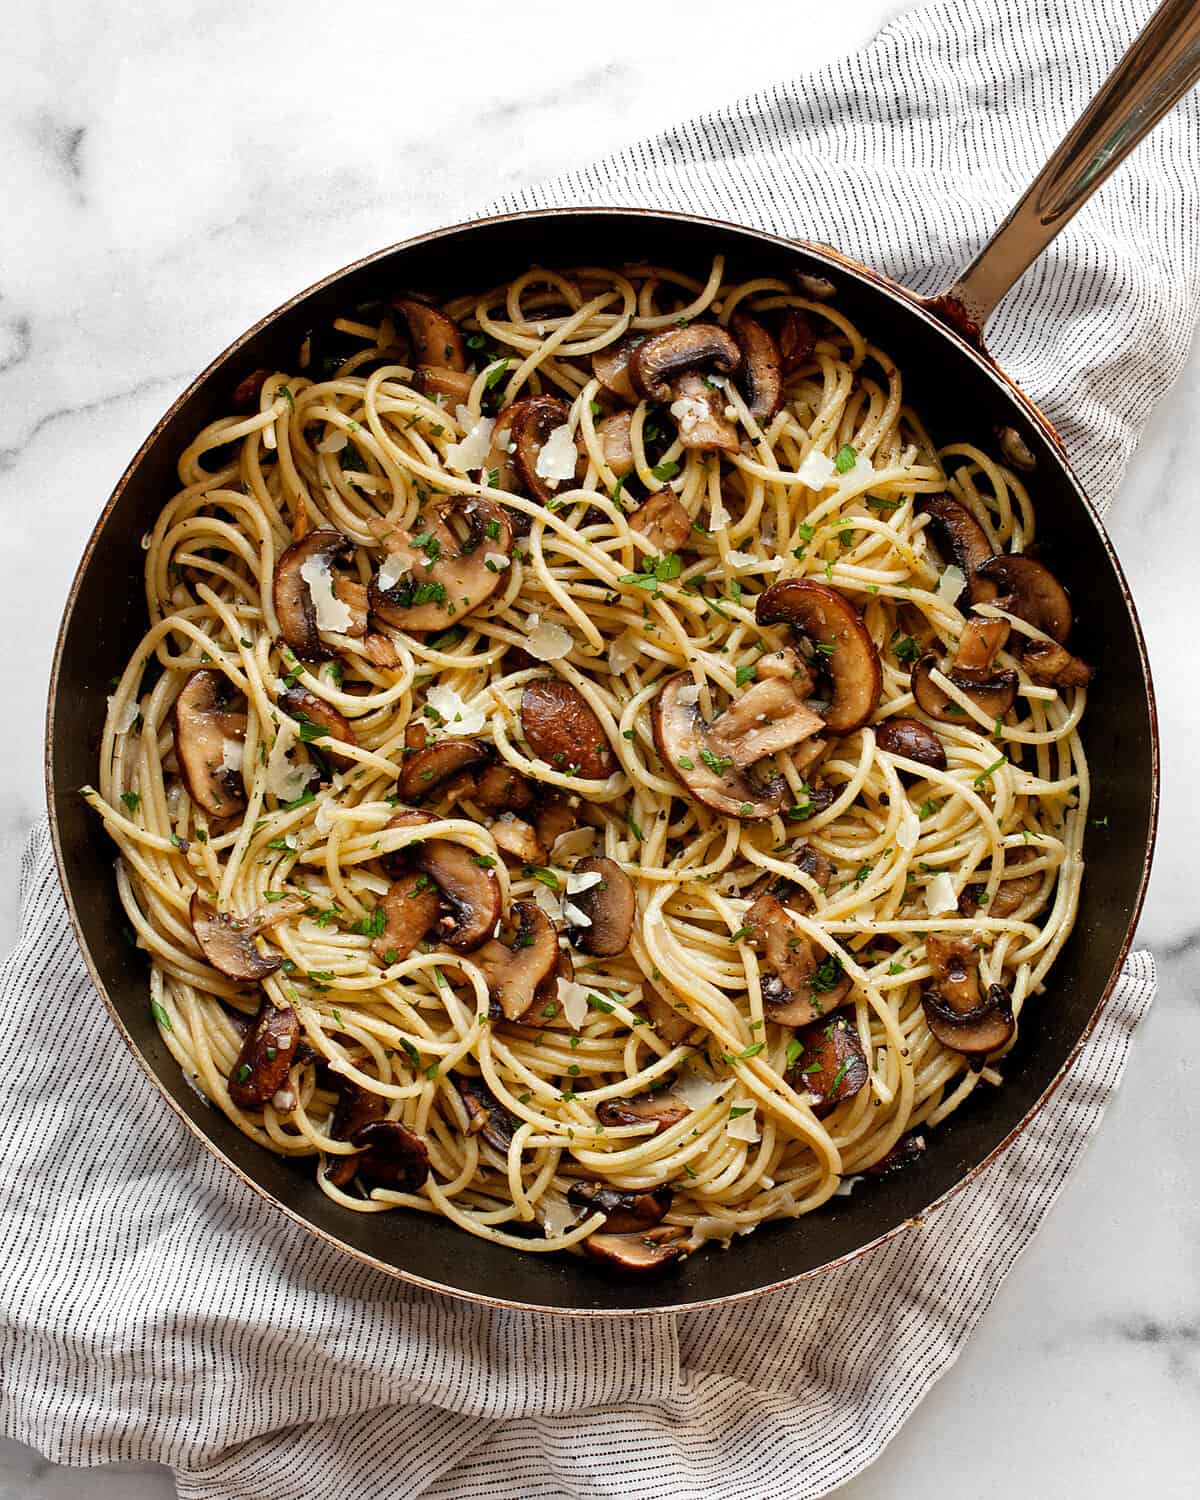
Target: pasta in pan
point(595, 771)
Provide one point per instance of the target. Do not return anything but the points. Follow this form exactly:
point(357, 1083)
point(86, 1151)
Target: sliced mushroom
point(658, 362)
point(599, 907)
point(294, 607)
point(961, 540)
point(791, 893)
point(209, 722)
point(531, 421)
point(797, 339)
point(411, 907)
point(956, 1013)
point(913, 740)
point(699, 412)
point(555, 816)
point(355, 1108)
point(768, 717)
point(833, 1065)
point(228, 942)
point(610, 365)
point(798, 988)
point(247, 394)
point(518, 839)
point(672, 1025)
point(1010, 895)
point(307, 708)
point(1053, 665)
point(392, 1156)
point(616, 442)
point(267, 1053)
point(625, 1212)
point(1031, 592)
point(840, 640)
point(993, 695)
point(440, 380)
point(682, 738)
point(662, 520)
point(500, 788)
point(514, 974)
point(645, 1254)
point(562, 729)
point(353, 594)
point(663, 1110)
point(434, 339)
point(761, 375)
point(428, 768)
point(446, 578)
point(470, 891)
point(380, 651)
point(486, 1115)
point(981, 639)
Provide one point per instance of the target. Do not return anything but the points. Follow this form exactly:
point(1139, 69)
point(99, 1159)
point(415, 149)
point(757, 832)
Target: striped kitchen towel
point(152, 1307)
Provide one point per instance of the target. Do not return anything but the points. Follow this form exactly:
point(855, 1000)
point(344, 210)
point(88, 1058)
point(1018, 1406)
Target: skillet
point(948, 375)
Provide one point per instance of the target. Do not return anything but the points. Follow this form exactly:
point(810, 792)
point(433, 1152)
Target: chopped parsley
point(845, 459)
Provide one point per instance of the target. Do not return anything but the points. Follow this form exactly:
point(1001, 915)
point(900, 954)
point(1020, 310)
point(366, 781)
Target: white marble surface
point(172, 170)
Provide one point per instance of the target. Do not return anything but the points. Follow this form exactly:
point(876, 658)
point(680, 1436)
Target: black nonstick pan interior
point(962, 397)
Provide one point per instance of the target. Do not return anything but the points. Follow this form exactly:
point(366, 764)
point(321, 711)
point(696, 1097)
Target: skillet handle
point(1158, 70)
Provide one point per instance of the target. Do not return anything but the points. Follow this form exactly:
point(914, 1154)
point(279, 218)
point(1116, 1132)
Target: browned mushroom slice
point(797, 339)
point(1031, 592)
point(833, 1065)
point(392, 1156)
point(500, 788)
point(625, 1212)
point(427, 769)
point(643, 1254)
point(599, 907)
point(518, 840)
point(304, 567)
point(840, 640)
point(353, 594)
point(955, 1011)
point(981, 639)
point(440, 380)
point(768, 717)
point(616, 442)
point(563, 730)
point(380, 651)
point(993, 695)
point(699, 412)
point(446, 577)
point(761, 375)
point(307, 708)
point(531, 421)
point(267, 1053)
point(672, 1025)
point(247, 394)
point(469, 890)
point(907, 1151)
point(410, 909)
point(514, 974)
point(355, 1108)
point(798, 988)
point(961, 540)
point(228, 942)
point(610, 365)
point(790, 893)
point(434, 338)
point(1010, 895)
point(682, 738)
point(209, 722)
point(913, 740)
point(485, 1114)
point(1053, 665)
point(657, 363)
point(662, 520)
point(554, 817)
point(662, 1110)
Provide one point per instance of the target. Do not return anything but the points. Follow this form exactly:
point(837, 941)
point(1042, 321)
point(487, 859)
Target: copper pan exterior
point(963, 395)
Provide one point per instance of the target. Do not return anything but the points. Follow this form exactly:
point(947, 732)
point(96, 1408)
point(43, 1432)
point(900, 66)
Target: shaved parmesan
point(497, 561)
point(624, 651)
point(574, 916)
point(124, 721)
point(547, 901)
point(577, 883)
point(284, 780)
point(332, 614)
point(817, 470)
point(232, 754)
point(283, 1100)
point(558, 456)
point(688, 693)
point(572, 844)
point(951, 584)
point(748, 560)
point(557, 1216)
point(325, 819)
point(473, 450)
point(391, 571)
point(939, 895)
point(744, 1128)
point(333, 442)
point(909, 830)
point(719, 518)
point(573, 999)
point(690, 413)
point(548, 641)
point(706, 1230)
point(696, 1090)
point(457, 715)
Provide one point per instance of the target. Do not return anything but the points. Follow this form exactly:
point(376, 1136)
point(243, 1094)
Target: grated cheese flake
point(939, 895)
point(557, 457)
point(817, 470)
point(951, 584)
point(474, 448)
point(623, 651)
point(548, 641)
point(459, 717)
point(573, 999)
point(332, 614)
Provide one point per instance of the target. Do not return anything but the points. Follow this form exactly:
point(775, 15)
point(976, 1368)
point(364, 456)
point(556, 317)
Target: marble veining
point(171, 172)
